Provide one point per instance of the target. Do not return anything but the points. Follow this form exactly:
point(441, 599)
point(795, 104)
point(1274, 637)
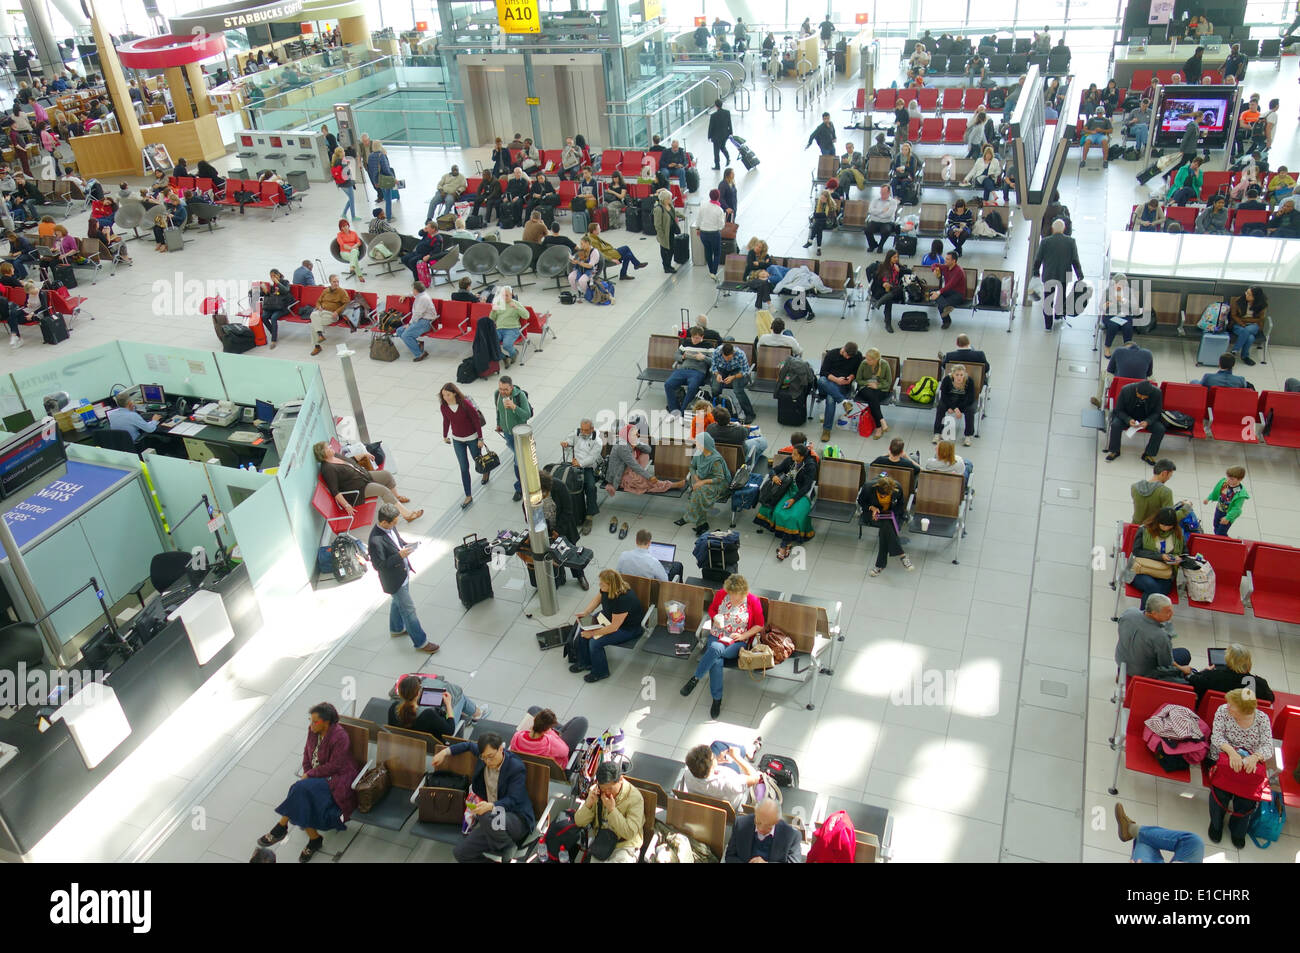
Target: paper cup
point(925, 525)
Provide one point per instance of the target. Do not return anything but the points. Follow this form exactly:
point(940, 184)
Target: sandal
point(782, 554)
point(313, 847)
point(415, 516)
point(276, 834)
point(403, 499)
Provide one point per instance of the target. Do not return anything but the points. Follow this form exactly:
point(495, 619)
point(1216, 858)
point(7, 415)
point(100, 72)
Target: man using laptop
point(647, 559)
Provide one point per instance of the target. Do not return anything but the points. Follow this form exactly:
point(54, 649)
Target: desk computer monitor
point(152, 394)
point(264, 411)
point(16, 422)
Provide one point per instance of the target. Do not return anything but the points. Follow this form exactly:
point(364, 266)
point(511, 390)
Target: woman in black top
point(901, 121)
point(1110, 97)
point(957, 392)
point(439, 722)
point(727, 193)
point(1091, 100)
point(788, 517)
point(623, 609)
point(758, 260)
point(205, 171)
point(1235, 673)
point(883, 506)
point(488, 198)
point(464, 294)
point(277, 302)
point(616, 190)
point(500, 158)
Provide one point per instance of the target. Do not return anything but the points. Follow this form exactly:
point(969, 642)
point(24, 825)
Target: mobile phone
point(415, 544)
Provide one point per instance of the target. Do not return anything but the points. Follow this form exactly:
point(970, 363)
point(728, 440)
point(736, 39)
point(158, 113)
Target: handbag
point(372, 788)
point(387, 182)
point(486, 462)
point(729, 231)
point(382, 348)
point(758, 659)
point(1141, 565)
point(1238, 783)
point(603, 844)
point(770, 493)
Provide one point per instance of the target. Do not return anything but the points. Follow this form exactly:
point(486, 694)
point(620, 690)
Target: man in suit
point(763, 838)
point(719, 132)
point(389, 554)
point(1057, 256)
point(965, 354)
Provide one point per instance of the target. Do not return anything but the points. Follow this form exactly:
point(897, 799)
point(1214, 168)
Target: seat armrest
point(362, 773)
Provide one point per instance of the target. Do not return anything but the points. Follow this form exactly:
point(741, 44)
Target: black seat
point(167, 569)
point(20, 644)
point(109, 439)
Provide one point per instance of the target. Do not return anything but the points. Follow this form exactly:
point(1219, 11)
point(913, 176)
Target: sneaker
point(15, 341)
point(907, 563)
point(966, 442)
point(807, 244)
point(689, 686)
point(934, 439)
point(875, 571)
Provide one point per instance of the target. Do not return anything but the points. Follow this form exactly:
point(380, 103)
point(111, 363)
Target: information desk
point(235, 445)
point(48, 777)
point(1157, 57)
point(95, 521)
point(1214, 264)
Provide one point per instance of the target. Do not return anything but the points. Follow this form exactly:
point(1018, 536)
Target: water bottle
point(564, 855)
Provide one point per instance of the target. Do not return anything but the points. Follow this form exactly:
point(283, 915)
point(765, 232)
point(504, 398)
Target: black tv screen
point(1178, 103)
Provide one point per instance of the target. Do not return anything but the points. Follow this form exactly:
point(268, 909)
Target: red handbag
point(1239, 783)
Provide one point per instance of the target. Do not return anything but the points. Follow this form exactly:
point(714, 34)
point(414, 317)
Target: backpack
point(1177, 420)
point(797, 308)
point(990, 293)
point(1214, 318)
point(924, 390)
point(466, 372)
point(1267, 822)
point(531, 408)
point(390, 322)
point(349, 557)
point(831, 452)
point(1131, 154)
point(600, 291)
point(337, 172)
point(563, 834)
point(835, 841)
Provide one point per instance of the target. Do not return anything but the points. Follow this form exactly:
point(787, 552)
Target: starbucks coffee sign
point(234, 16)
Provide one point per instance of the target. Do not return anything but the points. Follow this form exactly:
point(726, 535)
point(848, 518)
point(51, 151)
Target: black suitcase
point(729, 247)
point(578, 202)
point(914, 321)
point(474, 586)
point(236, 339)
point(905, 245)
point(473, 222)
point(53, 329)
point(547, 212)
point(791, 410)
point(692, 180)
point(647, 216)
point(65, 275)
point(681, 248)
point(1149, 173)
point(747, 157)
point(473, 553)
point(632, 218)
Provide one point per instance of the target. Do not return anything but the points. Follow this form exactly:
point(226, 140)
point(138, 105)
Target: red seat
point(1285, 411)
point(1285, 705)
point(477, 311)
point(1215, 76)
point(954, 130)
point(610, 160)
point(1228, 557)
point(338, 519)
point(1273, 574)
point(914, 130)
point(952, 98)
point(1146, 697)
point(473, 185)
point(1166, 76)
point(1211, 182)
point(1141, 80)
point(1183, 215)
point(932, 131)
point(567, 191)
point(973, 100)
point(927, 99)
point(1248, 216)
point(1190, 399)
point(638, 190)
point(679, 200)
point(885, 100)
point(908, 94)
point(1290, 757)
point(309, 295)
point(452, 318)
point(1116, 385)
point(860, 101)
point(1234, 414)
point(399, 303)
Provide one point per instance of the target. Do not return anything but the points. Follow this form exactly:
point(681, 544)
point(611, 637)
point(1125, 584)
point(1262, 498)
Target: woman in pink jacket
point(323, 800)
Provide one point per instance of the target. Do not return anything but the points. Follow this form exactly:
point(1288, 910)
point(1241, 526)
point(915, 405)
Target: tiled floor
point(1010, 763)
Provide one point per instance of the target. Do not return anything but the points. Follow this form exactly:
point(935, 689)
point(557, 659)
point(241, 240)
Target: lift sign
point(519, 16)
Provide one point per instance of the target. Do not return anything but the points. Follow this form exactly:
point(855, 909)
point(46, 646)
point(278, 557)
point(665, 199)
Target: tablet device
point(431, 698)
point(1217, 657)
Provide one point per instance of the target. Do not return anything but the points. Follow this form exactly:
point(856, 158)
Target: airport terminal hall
point(650, 431)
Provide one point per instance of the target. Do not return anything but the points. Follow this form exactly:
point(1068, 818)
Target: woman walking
point(341, 169)
point(462, 427)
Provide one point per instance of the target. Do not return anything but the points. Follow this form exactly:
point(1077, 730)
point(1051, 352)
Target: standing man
point(827, 30)
point(1057, 256)
point(1152, 496)
point(390, 555)
point(719, 133)
point(512, 410)
point(586, 455)
point(824, 136)
point(423, 314)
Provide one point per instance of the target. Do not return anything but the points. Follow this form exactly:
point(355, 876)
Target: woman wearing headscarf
point(788, 516)
point(666, 226)
point(626, 468)
point(705, 483)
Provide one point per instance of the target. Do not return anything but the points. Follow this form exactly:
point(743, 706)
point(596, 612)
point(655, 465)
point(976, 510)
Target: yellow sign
point(533, 101)
point(519, 16)
point(651, 9)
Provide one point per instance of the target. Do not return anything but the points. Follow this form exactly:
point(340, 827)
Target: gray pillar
point(42, 37)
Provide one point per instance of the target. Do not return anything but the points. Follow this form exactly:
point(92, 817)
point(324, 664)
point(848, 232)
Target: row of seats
point(998, 64)
point(1185, 216)
point(186, 183)
point(1176, 312)
point(250, 193)
point(1272, 569)
point(1242, 413)
point(951, 99)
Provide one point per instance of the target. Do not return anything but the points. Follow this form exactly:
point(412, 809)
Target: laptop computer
point(664, 552)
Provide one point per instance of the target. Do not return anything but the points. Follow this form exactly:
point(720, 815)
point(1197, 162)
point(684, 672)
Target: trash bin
point(298, 180)
point(234, 173)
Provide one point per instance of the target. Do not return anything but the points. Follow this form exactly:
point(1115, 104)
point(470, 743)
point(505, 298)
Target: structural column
point(180, 95)
point(199, 87)
point(43, 37)
point(354, 30)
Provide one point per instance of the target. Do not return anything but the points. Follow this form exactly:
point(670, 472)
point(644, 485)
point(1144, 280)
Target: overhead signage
point(27, 457)
point(519, 16)
point(234, 16)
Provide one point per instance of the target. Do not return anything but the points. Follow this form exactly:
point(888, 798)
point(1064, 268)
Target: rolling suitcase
point(791, 409)
point(681, 248)
point(747, 157)
point(1211, 349)
point(692, 180)
point(53, 329)
point(579, 222)
point(647, 216)
point(633, 218)
point(600, 215)
point(473, 586)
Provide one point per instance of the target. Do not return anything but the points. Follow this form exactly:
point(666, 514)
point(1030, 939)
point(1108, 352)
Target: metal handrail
point(648, 117)
point(772, 99)
point(740, 101)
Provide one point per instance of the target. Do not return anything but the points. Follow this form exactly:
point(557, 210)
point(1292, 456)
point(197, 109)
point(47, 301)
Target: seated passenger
point(1223, 377)
point(1241, 740)
point(986, 173)
point(896, 457)
point(825, 212)
point(1234, 673)
point(585, 261)
point(737, 616)
point(952, 288)
point(965, 354)
point(1246, 321)
point(730, 371)
point(1119, 310)
point(884, 507)
point(788, 517)
point(504, 812)
point(946, 460)
point(1145, 644)
point(720, 771)
point(694, 360)
point(873, 383)
point(406, 711)
point(619, 604)
point(852, 171)
point(350, 483)
point(1157, 552)
point(323, 800)
point(1096, 132)
point(779, 336)
point(626, 467)
point(705, 483)
point(1213, 219)
point(763, 837)
point(722, 430)
point(615, 805)
point(1149, 842)
point(1286, 223)
point(956, 398)
point(623, 254)
point(538, 735)
point(958, 226)
point(881, 213)
point(904, 175)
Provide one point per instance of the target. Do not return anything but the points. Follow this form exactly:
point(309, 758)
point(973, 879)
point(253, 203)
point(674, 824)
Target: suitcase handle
point(471, 538)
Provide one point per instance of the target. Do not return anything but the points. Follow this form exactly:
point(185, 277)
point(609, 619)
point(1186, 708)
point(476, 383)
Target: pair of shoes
point(716, 708)
point(966, 442)
point(670, 271)
point(826, 435)
point(1111, 456)
point(935, 439)
point(907, 563)
point(622, 531)
point(593, 677)
point(519, 495)
point(429, 648)
point(313, 847)
point(577, 667)
point(690, 686)
point(583, 584)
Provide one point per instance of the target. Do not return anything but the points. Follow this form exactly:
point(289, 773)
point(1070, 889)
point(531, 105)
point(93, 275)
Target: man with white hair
point(763, 837)
point(1057, 256)
point(1145, 645)
point(881, 214)
point(586, 446)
